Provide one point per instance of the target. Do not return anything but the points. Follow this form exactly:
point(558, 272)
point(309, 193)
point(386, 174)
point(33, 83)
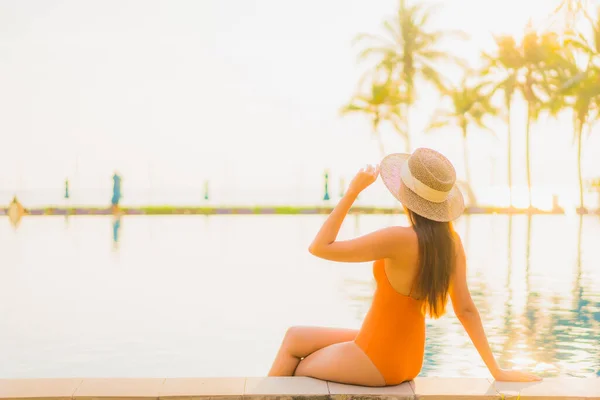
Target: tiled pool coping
point(295, 388)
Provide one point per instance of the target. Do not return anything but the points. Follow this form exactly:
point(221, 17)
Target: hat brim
point(446, 211)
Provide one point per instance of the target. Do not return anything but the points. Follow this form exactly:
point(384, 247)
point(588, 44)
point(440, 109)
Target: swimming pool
point(212, 296)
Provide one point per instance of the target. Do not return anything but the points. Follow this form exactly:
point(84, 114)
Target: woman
point(416, 269)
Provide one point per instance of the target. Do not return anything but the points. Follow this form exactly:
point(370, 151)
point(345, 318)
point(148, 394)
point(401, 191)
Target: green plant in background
point(409, 49)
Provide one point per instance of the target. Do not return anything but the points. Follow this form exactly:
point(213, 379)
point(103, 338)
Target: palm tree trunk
point(509, 155)
point(579, 175)
point(527, 152)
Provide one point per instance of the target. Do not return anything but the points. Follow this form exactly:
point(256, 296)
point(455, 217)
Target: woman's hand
point(510, 375)
point(363, 179)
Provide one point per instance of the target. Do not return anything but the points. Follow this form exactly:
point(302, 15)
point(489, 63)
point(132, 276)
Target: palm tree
point(581, 89)
point(469, 105)
point(526, 68)
point(409, 49)
point(542, 63)
point(571, 10)
point(383, 103)
point(541, 60)
point(505, 63)
point(577, 41)
point(583, 95)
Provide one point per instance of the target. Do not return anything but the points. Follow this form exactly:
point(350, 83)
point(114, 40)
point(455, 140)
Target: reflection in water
point(531, 309)
point(116, 226)
point(565, 337)
point(579, 329)
point(508, 329)
point(15, 220)
point(361, 295)
point(15, 212)
point(360, 291)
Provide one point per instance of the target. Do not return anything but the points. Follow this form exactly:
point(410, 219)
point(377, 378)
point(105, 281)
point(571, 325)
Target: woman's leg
point(341, 362)
point(301, 341)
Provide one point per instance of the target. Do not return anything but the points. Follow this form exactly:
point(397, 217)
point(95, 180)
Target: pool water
point(167, 296)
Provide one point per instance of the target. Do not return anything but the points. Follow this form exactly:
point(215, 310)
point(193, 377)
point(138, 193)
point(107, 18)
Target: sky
point(245, 94)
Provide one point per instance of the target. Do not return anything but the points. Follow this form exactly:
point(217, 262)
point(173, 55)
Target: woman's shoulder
point(402, 234)
point(405, 245)
point(458, 245)
point(457, 239)
point(401, 231)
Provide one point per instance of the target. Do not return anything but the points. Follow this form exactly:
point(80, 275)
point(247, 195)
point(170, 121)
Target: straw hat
point(424, 182)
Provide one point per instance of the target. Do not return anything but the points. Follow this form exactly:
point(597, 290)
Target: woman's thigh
point(341, 362)
point(302, 341)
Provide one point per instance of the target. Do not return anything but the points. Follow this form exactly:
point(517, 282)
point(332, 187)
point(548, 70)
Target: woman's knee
point(292, 334)
point(293, 338)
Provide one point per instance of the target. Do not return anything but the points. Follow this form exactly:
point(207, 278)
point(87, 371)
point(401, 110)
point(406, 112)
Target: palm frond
point(441, 118)
point(593, 119)
point(383, 53)
point(389, 27)
point(442, 56)
point(434, 77)
point(407, 49)
point(379, 41)
point(555, 105)
point(482, 125)
point(425, 17)
point(489, 63)
point(352, 108)
point(397, 124)
point(573, 83)
point(437, 125)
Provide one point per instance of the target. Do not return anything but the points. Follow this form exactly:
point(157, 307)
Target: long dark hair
point(436, 263)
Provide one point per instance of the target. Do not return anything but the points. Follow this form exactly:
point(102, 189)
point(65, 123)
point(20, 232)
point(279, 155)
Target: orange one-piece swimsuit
point(393, 332)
